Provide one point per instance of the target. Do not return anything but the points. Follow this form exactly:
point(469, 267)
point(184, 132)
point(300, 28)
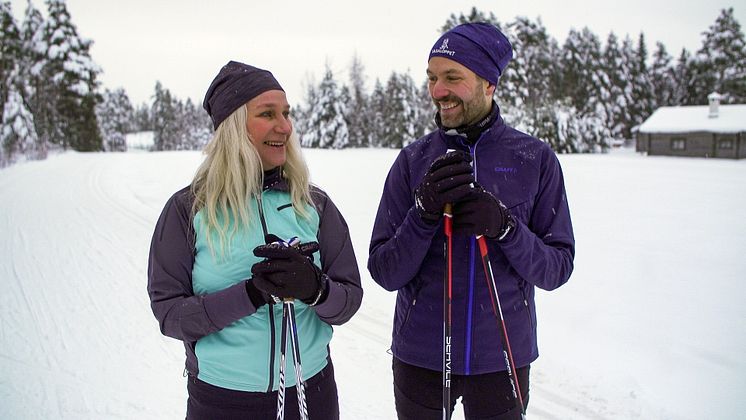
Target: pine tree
point(475, 15)
point(73, 74)
point(301, 115)
point(197, 127)
point(641, 92)
point(583, 80)
point(524, 90)
point(142, 121)
point(615, 91)
point(17, 133)
point(10, 50)
point(427, 108)
point(722, 60)
point(165, 113)
point(662, 77)
point(37, 91)
point(327, 127)
point(115, 115)
point(580, 132)
point(378, 110)
point(358, 120)
point(685, 80)
point(402, 115)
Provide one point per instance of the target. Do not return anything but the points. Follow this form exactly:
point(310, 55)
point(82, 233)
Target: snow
point(650, 326)
point(684, 119)
point(142, 140)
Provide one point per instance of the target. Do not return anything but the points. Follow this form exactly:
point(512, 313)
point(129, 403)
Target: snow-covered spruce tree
point(10, 50)
point(358, 118)
point(142, 121)
point(475, 15)
point(402, 116)
point(641, 92)
point(722, 60)
point(580, 132)
point(378, 111)
point(583, 88)
point(73, 75)
point(17, 133)
point(326, 126)
point(166, 120)
point(615, 91)
point(525, 92)
point(685, 80)
point(115, 115)
point(197, 126)
point(662, 78)
point(427, 108)
point(299, 115)
point(35, 90)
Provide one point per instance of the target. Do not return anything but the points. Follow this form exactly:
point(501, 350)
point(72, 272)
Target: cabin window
point(725, 144)
point(678, 144)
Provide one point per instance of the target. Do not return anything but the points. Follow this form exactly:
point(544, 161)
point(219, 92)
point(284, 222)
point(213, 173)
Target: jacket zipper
point(472, 269)
point(271, 311)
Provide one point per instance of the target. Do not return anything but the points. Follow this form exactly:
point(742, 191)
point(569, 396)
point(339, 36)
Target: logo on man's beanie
point(443, 49)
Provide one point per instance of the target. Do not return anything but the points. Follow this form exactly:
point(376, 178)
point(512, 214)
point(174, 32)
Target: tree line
point(579, 96)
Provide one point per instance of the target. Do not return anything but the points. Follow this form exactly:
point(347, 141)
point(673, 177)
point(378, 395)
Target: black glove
point(480, 213)
point(447, 181)
point(257, 297)
point(288, 271)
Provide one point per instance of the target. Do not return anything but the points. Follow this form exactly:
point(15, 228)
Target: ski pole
point(283, 349)
point(497, 309)
point(300, 386)
point(289, 326)
point(447, 306)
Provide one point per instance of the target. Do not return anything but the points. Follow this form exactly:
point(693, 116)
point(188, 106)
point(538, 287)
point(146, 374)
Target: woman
point(215, 263)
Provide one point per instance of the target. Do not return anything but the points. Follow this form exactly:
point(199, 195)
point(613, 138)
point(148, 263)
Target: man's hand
point(448, 180)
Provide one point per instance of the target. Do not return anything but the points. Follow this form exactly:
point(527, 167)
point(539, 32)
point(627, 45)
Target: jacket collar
point(471, 133)
point(274, 179)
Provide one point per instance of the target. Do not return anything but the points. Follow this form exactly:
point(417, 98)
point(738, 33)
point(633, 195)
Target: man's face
point(461, 96)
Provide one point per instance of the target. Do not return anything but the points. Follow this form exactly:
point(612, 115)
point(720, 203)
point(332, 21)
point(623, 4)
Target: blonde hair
point(232, 173)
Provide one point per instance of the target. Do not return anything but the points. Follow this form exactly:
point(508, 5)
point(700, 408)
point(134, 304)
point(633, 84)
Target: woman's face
point(269, 126)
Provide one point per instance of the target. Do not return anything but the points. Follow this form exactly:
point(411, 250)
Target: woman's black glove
point(448, 180)
point(288, 271)
point(257, 297)
point(480, 213)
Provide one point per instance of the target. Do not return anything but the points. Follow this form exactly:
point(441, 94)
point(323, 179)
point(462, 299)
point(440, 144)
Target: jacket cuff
point(228, 305)
point(334, 302)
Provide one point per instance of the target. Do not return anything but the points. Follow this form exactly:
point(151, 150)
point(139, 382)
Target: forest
point(582, 96)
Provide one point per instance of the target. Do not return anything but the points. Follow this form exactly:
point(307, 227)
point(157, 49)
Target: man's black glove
point(480, 213)
point(448, 180)
point(288, 271)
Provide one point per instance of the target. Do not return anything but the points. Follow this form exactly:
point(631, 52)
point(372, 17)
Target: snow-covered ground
point(652, 324)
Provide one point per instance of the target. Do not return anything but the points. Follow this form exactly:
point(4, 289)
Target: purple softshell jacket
point(407, 255)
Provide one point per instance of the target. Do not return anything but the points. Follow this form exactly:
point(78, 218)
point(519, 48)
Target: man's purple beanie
point(236, 84)
point(481, 47)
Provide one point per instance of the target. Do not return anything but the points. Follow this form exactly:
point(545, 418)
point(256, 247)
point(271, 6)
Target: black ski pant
point(209, 402)
point(418, 393)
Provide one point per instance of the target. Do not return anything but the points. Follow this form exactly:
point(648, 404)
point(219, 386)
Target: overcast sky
point(184, 43)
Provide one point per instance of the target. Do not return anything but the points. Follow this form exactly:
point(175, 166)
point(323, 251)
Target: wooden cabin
point(717, 131)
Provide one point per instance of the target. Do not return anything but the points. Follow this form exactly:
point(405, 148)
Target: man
point(505, 186)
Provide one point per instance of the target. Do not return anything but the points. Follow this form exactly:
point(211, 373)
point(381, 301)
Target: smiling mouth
point(447, 105)
point(275, 143)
